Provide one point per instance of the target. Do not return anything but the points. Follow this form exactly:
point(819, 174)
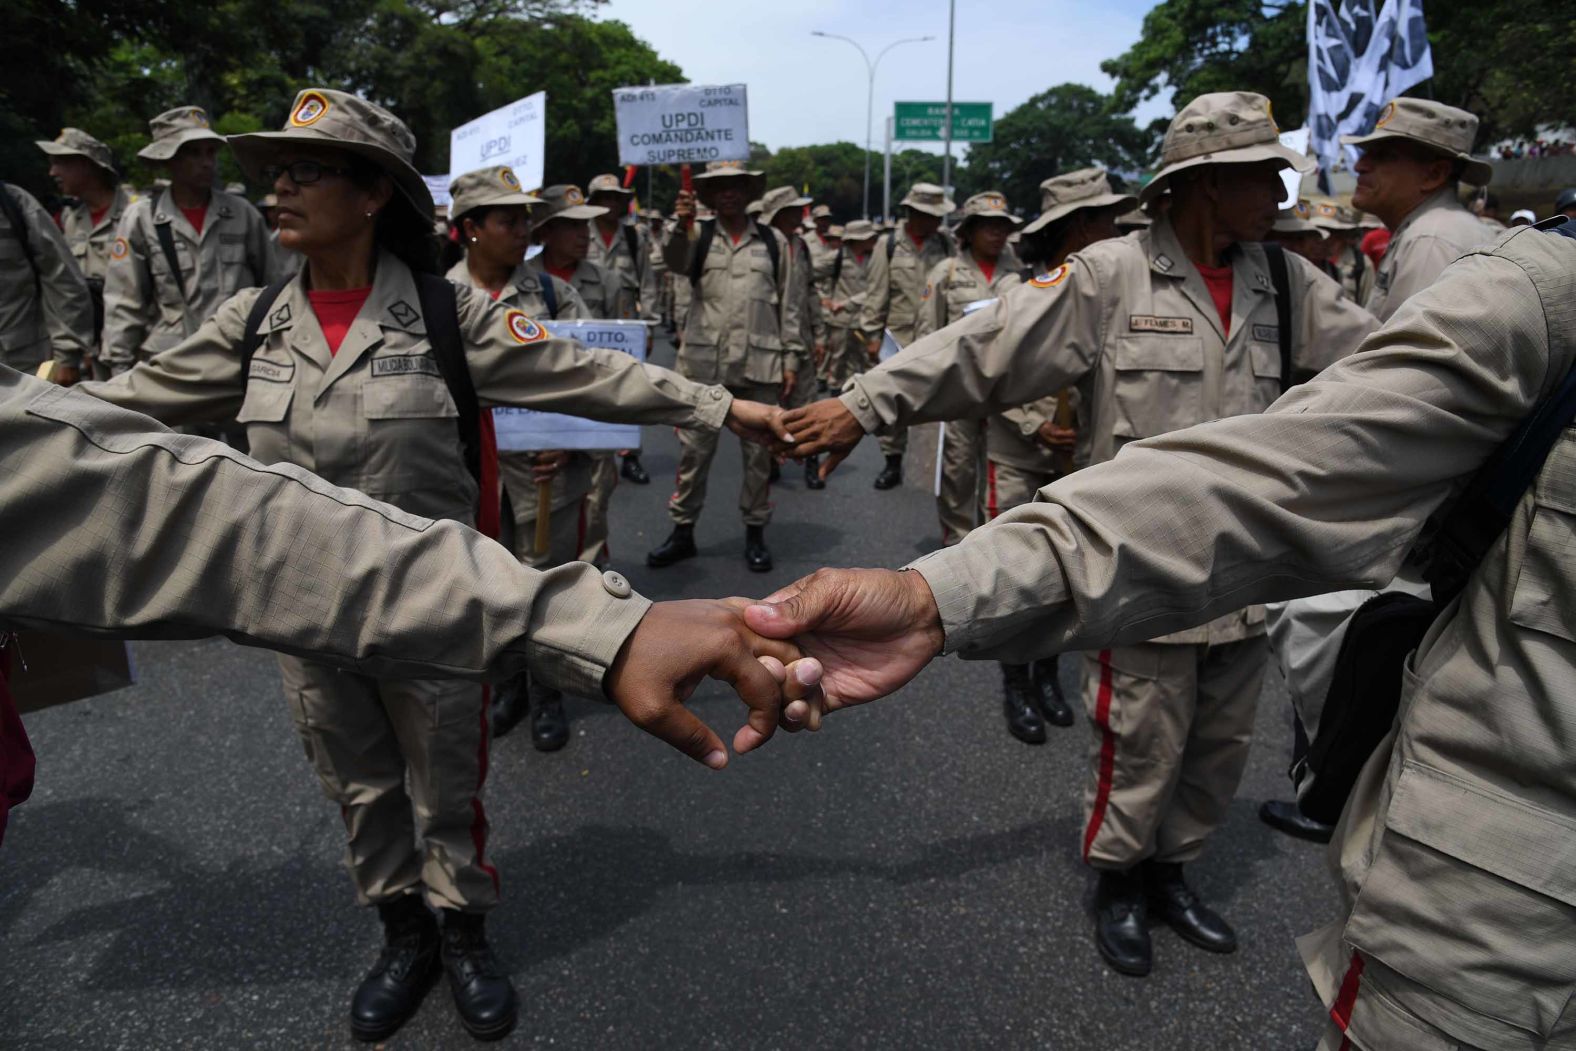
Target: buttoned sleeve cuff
point(613, 609)
point(856, 401)
point(946, 572)
point(711, 408)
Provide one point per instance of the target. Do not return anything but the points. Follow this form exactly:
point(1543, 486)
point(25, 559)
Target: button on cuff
point(616, 585)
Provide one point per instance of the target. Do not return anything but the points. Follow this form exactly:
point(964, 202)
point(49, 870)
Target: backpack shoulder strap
point(837, 268)
point(252, 335)
point(18, 221)
point(700, 250)
point(167, 246)
point(1280, 277)
point(632, 242)
point(773, 249)
point(440, 313)
point(549, 295)
point(891, 245)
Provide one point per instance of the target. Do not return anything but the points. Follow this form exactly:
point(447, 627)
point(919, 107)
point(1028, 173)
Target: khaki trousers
point(958, 503)
point(368, 739)
point(1007, 486)
point(604, 479)
point(1172, 725)
point(845, 357)
point(698, 448)
point(568, 524)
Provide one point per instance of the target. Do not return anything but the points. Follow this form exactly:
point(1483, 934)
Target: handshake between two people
point(834, 639)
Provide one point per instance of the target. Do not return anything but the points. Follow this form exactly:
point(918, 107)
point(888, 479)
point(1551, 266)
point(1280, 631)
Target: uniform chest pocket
point(407, 397)
point(1545, 595)
point(266, 401)
point(1158, 385)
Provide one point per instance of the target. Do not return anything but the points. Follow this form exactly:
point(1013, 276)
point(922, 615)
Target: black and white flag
point(1361, 54)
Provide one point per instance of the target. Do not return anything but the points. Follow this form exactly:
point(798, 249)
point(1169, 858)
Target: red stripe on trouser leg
point(478, 812)
point(1102, 719)
point(991, 505)
point(1346, 999)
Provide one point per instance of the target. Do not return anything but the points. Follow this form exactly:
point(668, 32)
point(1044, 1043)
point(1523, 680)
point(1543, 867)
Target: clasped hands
point(831, 640)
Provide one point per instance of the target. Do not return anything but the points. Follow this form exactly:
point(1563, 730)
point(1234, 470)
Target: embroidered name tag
point(404, 365)
point(1266, 333)
point(273, 371)
point(1175, 326)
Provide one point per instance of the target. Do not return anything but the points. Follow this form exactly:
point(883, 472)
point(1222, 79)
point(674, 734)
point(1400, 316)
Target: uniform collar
point(1249, 275)
point(221, 206)
point(1442, 198)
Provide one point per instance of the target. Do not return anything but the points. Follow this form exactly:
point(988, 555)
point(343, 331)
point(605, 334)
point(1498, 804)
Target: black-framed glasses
point(302, 173)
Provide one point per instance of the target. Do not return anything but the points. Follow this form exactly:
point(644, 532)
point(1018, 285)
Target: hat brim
point(705, 185)
point(628, 195)
point(938, 210)
point(501, 200)
point(798, 202)
point(255, 149)
point(1474, 171)
point(1126, 201)
point(1264, 151)
point(981, 216)
point(1297, 226)
point(575, 211)
point(165, 149)
point(55, 149)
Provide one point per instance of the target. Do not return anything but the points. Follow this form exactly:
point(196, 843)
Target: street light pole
point(946, 161)
point(870, 91)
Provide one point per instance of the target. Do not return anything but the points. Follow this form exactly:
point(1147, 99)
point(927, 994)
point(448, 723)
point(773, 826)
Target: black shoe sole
point(1063, 718)
point(1187, 935)
point(1130, 970)
point(496, 1031)
point(388, 1029)
point(1026, 737)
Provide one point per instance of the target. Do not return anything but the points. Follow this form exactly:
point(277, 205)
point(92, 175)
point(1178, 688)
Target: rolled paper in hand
point(544, 516)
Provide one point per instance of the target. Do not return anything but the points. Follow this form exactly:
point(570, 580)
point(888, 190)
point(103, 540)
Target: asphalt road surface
point(907, 878)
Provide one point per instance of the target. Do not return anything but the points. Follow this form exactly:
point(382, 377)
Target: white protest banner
point(530, 430)
point(889, 346)
point(438, 186)
point(1291, 177)
point(682, 124)
point(515, 135)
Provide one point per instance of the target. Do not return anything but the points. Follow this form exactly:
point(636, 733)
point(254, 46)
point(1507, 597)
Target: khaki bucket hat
point(1332, 215)
point(565, 201)
point(174, 128)
point(1443, 128)
point(1297, 220)
point(1224, 127)
point(1133, 220)
point(834, 231)
point(753, 208)
point(325, 117)
point(928, 198)
point(609, 184)
point(860, 230)
point(706, 181)
point(74, 142)
point(1062, 195)
point(991, 204)
point(821, 211)
point(493, 187)
point(779, 198)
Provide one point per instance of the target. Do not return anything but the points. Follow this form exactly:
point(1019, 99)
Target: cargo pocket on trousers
point(1472, 895)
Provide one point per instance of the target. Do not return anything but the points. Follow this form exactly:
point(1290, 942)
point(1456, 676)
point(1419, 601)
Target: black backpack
point(440, 311)
point(1365, 688)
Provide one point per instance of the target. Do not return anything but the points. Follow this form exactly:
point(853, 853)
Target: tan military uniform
point(47, 316)
point(1433, 235)
point(846, 353)
point(1451, 853)
point(894, 292)
point(572, 484)
point(1131, 324)
point(812, 323)
point(378, 417)
point(147, 307)
point(742, 329)
point(91, 242)
point(950, 287)
point(635, 280)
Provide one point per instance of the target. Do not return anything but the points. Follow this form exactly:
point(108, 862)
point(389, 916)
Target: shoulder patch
point(522, 328)
point(1164, 264)
point(280, 317)
point(1052, 279)
point(120, 249)
point(403, 313)
point(1177, 326)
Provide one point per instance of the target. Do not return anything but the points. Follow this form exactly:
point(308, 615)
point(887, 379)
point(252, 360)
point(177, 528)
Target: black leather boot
point(812, 473)
point(394, 988)
point(1172, 900)
point(1288, 818)
point(1121, 930)
point(679, 545)
point(1048, 689)
point(509, 704)
point(483, 994)
point(1023, 719)
point(549, 724)
point(891, 475)
point(756, 554)
point(633, 471)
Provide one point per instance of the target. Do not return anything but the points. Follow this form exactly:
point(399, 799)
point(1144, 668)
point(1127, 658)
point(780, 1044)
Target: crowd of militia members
point(1191, 300)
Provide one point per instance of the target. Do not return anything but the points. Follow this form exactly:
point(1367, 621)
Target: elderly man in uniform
point(84, 169)
point(741, 331)
point(181, 253)
point(901, 262)
point(46, 311)
point(1452, 855)
point(1409, 175)
point(782, 209)
point(1177, 325)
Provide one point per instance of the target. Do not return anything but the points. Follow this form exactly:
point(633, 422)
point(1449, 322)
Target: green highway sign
point(926, 121)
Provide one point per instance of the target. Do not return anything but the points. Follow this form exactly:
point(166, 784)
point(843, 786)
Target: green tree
point(1063, 128)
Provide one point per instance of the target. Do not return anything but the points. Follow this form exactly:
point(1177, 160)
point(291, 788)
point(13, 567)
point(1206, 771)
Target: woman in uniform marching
point(362, 367)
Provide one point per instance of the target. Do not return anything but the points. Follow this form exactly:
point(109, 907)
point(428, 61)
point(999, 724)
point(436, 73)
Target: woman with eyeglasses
point(346, 377)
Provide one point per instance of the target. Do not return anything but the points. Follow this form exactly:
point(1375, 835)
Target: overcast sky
point(805, 89)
